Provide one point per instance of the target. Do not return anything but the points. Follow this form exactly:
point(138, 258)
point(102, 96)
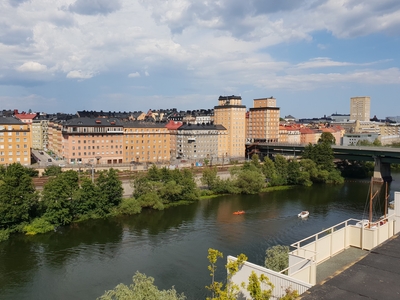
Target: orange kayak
point(239, 212)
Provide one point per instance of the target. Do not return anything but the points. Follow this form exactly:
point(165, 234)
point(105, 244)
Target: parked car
point(49, 160)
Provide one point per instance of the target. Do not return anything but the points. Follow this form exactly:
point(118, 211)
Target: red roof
point(173, 125)
point(25, 116)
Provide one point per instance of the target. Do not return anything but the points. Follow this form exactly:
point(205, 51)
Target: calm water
point(82, 261)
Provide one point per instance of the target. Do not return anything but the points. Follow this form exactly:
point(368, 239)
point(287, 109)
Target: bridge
point(382, 156)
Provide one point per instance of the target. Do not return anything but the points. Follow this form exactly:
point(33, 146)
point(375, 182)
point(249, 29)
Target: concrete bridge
point(382, 156)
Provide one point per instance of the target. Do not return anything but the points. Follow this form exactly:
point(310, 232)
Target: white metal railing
point(331, 241)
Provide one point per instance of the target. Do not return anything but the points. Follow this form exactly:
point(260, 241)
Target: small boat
point(303, 214)
point(239, 212)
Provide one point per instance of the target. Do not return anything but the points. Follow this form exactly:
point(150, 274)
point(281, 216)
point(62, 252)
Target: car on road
point(49, 160)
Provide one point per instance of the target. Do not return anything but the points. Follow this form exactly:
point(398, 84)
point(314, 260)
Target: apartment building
point(289, 134)
point(263, 121)
point(360, 108)
point(231, 114)
point(172, 127)
point(146, 142)
point(90, 140)
point(26, 118)
point(15, 141)
point(200, 141)
point(40, 133)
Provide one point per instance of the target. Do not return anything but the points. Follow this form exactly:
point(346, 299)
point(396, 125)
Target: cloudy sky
point(126, 55)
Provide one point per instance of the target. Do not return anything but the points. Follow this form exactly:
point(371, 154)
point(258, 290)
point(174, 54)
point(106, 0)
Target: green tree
point(255, 160)
point(294, 173)
point(111, 191)
point(254, 287)
point(377, 143)
point(281, 167)
point(249, 182)
point(321, 154)
point(85, 203)
point(58, 194)
point(171, 191)
point(277, 258)
point(209, 177)
point(220, 291)
point(18, 197)
point(52, 171)
point(142, 288)
point(268, 169)
point(327, 137)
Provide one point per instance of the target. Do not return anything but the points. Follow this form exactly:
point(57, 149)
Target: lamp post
point(92, 170)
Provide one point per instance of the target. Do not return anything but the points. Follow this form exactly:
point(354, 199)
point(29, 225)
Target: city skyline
point(312, 56)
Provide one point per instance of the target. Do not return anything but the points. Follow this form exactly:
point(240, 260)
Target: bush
point(4, 235)
point(129, 206)
point(38, 225)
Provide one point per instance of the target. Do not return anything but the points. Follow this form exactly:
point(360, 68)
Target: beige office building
point(231, 114)
point(263, 121)
point(360, 108)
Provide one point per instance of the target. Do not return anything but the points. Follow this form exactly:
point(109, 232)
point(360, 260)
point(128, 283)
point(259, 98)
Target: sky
point(136, 55)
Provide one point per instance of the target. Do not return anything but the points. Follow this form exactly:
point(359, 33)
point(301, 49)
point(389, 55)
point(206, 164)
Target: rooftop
point(375, 276)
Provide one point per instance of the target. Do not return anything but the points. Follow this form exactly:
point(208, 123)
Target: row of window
point(148, 141)
point(143, 147)
point(96, 147)
point(98, 141)
point(144, 152)
point(11, 153)
point(12, 160)
point(98, 153)
point(11, 133)
point(17, 146)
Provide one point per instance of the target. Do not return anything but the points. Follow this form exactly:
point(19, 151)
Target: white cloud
point(323, 80)
point(79, 74)
point(134, 75)
point(32, 66)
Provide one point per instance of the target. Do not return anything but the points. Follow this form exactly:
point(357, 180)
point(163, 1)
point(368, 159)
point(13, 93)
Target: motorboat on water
point(304, 214)
point(239, 212)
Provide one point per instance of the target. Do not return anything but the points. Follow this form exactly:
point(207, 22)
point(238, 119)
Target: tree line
point(65, 198)
point(316, 166)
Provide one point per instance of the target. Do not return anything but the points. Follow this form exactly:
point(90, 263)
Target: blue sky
point(124, 55)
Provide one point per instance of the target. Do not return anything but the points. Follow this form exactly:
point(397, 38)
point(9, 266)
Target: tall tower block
point(232, 115)
point(360, 108)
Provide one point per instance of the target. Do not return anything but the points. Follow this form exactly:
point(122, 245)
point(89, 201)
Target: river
point(84, 260)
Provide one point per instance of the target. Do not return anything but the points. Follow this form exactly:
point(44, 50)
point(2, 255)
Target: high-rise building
point(360, 108)
point(231, 114)
point(263, 121)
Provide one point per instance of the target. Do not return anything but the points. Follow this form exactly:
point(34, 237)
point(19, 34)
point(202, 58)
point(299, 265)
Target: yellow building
point(231, 114)
point(263, 121)
point(146, 142)
point(15, 141)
